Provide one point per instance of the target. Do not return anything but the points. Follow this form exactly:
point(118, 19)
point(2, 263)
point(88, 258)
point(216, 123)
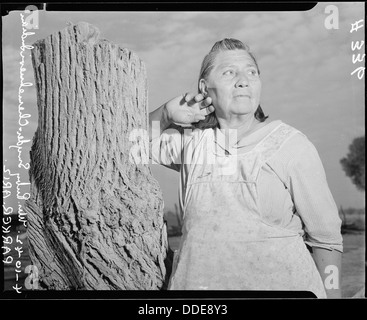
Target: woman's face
point(233, 84)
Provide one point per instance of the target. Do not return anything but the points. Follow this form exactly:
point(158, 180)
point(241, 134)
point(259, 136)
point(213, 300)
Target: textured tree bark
point(95, 217)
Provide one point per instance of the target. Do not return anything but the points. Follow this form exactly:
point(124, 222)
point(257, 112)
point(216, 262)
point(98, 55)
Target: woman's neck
point(242, 124)
point(239, 128)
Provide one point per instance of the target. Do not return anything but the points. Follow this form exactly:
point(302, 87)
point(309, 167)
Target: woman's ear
point(203, 87)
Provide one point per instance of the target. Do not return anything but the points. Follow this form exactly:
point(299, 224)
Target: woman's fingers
point(193, 98)
point(199, 117)
point(199, 97)
point(207, 110)
point(189, 96)
point(200, 102)
point(205, 103)
point(202, 105)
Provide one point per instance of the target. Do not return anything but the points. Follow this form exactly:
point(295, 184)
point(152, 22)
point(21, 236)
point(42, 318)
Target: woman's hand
point(188, 108)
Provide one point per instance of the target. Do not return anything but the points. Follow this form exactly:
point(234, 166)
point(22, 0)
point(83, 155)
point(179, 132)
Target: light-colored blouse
point(292, 187)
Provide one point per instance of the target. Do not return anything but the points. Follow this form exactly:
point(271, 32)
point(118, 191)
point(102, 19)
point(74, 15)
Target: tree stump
point(95, 218)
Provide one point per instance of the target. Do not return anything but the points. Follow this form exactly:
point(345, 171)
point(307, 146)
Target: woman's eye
point(253, 72)
point(228, 72)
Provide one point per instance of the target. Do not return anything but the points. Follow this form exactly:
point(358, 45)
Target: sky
point(305, 72)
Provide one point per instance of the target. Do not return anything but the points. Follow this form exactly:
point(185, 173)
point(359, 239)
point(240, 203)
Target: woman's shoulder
point(296, 136)
point(295, 144)
point(300, 139)
point(278, 133)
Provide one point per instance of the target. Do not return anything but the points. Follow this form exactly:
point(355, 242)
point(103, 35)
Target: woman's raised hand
point(188, 108)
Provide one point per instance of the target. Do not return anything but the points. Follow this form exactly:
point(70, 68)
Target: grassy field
point(353, 219)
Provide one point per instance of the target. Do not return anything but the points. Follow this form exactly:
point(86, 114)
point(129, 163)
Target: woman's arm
point(316, 207)
point(158, 115)
point(328, 263)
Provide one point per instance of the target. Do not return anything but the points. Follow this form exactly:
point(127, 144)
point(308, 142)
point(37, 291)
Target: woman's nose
point(242, 81)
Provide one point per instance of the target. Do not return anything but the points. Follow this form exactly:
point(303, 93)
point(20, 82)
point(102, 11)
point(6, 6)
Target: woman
point(253, 192)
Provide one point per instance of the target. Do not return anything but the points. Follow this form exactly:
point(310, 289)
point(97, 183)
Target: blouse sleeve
point(167, 149)
point(313, 200)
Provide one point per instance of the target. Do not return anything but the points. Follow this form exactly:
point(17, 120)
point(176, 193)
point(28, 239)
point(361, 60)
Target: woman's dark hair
point(207, 66)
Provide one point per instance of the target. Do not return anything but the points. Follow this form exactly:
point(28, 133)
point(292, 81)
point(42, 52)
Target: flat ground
point(353, 264)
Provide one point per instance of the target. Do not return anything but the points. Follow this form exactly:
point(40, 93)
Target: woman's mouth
point(242, 96)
